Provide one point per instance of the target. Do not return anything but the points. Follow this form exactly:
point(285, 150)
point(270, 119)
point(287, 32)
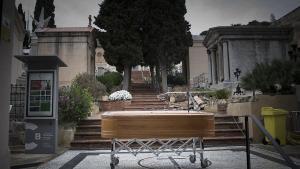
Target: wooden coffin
point(157, 124)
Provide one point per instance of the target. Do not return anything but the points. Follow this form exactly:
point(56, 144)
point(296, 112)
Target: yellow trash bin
point(275, 123)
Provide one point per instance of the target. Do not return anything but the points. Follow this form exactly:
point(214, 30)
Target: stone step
point(145, 99)
point(90, 122)
point(228, 125)
point(226, 118)
point(17, 149)
point(144, 96)
point(224, 141)
point(87, 135)
point(148, 104)
point(145, 108)
point(91, 144)
point(88, 128)
point(228, 132)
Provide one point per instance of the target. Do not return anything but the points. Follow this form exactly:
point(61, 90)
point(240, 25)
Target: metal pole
point(247, 143)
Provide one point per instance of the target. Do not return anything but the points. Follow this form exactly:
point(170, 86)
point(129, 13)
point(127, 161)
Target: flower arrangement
point(120, 95)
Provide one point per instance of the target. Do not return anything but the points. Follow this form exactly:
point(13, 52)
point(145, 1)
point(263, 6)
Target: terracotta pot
point(114, 105)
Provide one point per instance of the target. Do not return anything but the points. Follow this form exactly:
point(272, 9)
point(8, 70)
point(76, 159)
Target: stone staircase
point(88, 133)
point(145, 98)
point(88, 136)
point(139, 76)
point(228, 131)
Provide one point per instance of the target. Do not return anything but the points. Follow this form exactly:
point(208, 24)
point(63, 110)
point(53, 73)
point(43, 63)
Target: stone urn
point(222, 106)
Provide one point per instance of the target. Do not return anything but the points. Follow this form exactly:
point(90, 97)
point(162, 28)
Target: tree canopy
point(121, 35)
point(49, 8)
point(150, 32)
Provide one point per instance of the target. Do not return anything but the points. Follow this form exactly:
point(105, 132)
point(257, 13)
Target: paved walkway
point(221, 158)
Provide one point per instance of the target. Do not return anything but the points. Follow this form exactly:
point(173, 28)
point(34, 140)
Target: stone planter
point(114, 105)
point(65, 135)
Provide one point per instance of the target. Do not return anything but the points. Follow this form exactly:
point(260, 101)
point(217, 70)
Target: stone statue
point(42, 22)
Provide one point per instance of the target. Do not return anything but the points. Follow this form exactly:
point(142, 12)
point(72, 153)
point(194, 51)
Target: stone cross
point(90, 20)
point(42, 22)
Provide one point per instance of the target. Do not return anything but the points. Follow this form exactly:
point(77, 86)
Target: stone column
point(209, 66)
point(226, 62)
point(221, 62)
point(214, 66)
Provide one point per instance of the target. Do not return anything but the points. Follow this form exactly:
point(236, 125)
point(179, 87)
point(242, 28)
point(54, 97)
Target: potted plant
point(117, 101)
point(74, 105)
point(222, 96)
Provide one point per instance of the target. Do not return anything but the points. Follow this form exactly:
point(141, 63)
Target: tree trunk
point(164, 75)
point(186, 69)
point(152, 75)
point(126, 77)
point(129, 81)
point(157, 73)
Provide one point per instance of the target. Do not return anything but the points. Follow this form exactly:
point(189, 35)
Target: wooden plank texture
point(157, 124)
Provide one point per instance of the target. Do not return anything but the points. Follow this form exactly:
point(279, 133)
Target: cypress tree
point(49, 9)
point(121, 35)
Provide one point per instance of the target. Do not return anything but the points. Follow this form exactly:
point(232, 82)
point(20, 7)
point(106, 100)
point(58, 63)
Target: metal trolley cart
point(158, 132)
point(158, 146)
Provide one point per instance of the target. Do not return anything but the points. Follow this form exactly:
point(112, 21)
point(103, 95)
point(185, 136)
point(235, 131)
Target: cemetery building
point(232, 48)
point(292, 19)
point(74, 45)
point(198, 62)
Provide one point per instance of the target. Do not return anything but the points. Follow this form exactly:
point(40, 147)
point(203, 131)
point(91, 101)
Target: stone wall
point(287, 102)
point(75, 46)
point(244, 54)
point(6, 48)
point(198, 60)
point(72, 50)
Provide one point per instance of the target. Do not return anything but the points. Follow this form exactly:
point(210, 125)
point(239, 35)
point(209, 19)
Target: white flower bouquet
point(120, 95)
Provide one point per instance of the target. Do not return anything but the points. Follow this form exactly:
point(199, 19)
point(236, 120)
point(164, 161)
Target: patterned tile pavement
point(221, 158)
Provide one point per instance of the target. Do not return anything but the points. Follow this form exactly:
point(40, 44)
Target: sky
point(201, 14)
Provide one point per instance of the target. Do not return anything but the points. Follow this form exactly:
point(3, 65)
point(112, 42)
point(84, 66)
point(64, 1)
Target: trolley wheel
point(277, 140)
point(115, 161)
point(205, 163)
point(192, 158)
point(112, 166)
point(264, 141)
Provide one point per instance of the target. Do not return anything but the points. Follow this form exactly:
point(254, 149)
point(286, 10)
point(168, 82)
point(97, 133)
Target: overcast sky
point(202, 14)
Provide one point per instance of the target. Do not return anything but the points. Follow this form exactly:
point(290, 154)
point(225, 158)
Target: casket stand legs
point(158, 146)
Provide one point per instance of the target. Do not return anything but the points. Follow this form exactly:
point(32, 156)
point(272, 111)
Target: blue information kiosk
point(41, 114)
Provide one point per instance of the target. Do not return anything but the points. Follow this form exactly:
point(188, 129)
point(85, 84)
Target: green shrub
point(74, 104)
point(89, 82)
point(266, 76)
point(177, 79)
point(222, 94)
point(110, 80)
